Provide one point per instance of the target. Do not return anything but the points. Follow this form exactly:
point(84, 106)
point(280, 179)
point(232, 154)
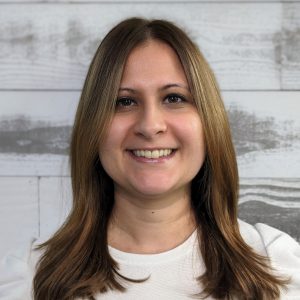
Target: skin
point(155, 110)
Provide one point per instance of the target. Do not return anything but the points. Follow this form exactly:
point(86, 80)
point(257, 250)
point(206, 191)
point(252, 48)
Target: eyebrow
point(165, 87)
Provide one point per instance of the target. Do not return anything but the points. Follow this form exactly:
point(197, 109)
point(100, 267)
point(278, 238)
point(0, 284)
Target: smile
point(156, 153)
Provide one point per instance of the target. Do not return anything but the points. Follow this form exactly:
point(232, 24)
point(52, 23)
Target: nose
point(151, 122)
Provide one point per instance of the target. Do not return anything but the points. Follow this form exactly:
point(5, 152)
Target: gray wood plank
point(50, 46)
point(19, 214)
point(275, 202)
point(291, 46)
point(35, 129)
point(280, 192)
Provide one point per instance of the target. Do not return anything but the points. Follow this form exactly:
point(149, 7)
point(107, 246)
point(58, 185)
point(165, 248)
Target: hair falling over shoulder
point(76, 261)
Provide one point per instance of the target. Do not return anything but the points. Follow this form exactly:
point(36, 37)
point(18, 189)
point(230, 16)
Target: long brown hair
point(76, 260)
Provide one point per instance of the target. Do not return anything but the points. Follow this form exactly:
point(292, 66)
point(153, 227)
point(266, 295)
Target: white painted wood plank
point(265, 127)
point(283, 193)
point(276, 183)
point(55, 203)
point(33, 165)
point(50, 46)
point(19, 219)
point(291, 46)
point(50, 107)
point(136, 1)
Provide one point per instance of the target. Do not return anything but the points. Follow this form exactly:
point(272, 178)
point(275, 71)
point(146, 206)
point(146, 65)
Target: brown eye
point(174, 98)
point(123, 102)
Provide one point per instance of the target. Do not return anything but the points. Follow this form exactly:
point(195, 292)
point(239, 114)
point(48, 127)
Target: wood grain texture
point(266, 133)
point(19, 213)
point(139, 1)
point(50, 46)
point(34, 132)
point(34, 141)
point(275, 202)
point(281, 192)
point(291, 47)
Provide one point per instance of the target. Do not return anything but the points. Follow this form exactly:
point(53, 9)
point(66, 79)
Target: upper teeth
point(152, 154)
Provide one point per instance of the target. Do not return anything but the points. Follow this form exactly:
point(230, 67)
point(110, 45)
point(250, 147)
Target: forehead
point(153, 59)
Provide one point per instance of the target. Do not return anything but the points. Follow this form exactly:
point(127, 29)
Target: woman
point(155, 185)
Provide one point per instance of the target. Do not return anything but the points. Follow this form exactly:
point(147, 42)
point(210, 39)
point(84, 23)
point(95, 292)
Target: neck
point(150, 226)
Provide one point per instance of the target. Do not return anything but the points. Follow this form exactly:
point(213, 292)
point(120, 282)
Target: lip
point(151, 160)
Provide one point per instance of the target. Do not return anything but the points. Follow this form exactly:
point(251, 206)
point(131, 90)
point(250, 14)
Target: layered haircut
point(76, 260)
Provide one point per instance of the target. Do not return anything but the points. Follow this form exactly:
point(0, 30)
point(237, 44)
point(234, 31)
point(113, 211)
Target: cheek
point(108, 152)
point(111, 150)
point(193, 137)
point(191, 132)
point(114, 137)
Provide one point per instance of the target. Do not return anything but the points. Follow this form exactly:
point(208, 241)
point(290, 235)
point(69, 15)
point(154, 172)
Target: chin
point(155, 190)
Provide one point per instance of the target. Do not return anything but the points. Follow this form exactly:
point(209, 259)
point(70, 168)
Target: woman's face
point(154, 145)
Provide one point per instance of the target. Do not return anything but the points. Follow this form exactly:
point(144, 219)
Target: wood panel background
point(45, 50)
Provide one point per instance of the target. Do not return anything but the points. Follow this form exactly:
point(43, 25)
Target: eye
point(124, 102)
point(174, 98)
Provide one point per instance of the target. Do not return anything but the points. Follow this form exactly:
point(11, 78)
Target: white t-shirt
point(172, 273)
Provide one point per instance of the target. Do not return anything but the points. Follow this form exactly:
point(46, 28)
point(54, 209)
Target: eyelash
point(182, 98)
point(120, 101)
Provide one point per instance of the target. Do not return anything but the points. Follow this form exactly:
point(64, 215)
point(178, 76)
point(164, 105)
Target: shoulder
point(261, 235)
point(17, 270)
point(282, 250)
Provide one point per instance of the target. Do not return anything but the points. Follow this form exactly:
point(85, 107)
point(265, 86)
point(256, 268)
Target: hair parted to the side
point(76, 261)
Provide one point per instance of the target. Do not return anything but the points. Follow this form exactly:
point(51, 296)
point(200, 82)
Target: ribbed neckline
point(145, 259)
